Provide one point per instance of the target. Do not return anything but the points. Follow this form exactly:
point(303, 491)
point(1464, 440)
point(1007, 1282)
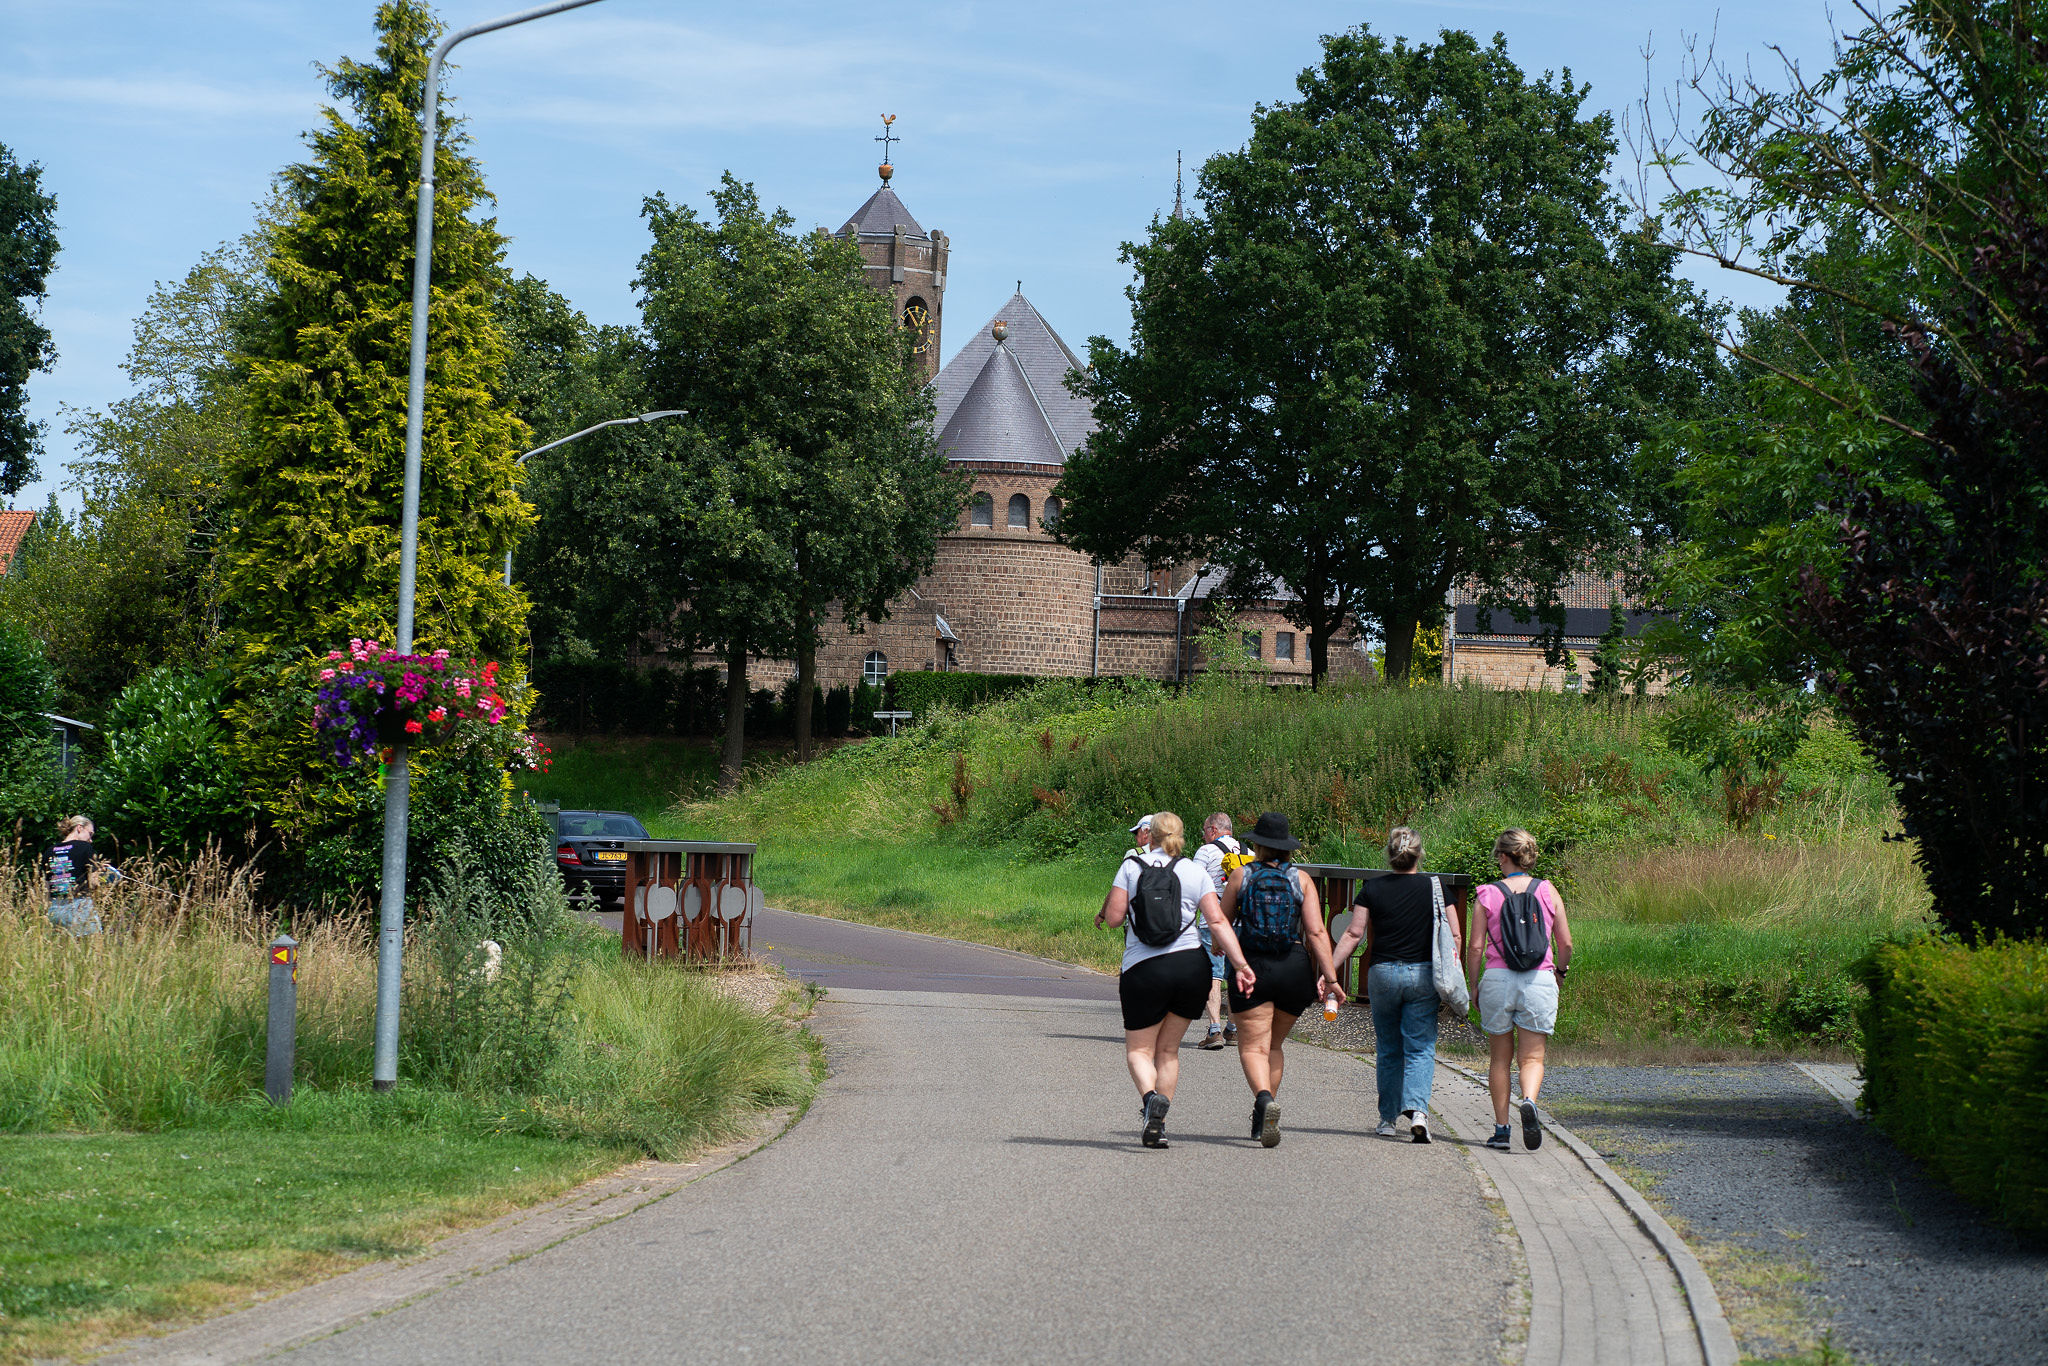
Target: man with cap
point(1278, 920)
point(1142, 833)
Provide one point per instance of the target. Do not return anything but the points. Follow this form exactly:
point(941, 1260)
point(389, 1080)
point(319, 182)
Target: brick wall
point(1519, 667)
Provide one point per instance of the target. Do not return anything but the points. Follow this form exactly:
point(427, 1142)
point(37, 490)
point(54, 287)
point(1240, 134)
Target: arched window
point(1020, 511)
point(1052, 514)
point(874, 670)
point(983, 512)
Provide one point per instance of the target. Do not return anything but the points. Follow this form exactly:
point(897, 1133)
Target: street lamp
point(397, 785)
point(563, 441)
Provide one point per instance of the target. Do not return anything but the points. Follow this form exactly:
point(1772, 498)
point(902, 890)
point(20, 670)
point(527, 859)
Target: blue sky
point(1039, 136)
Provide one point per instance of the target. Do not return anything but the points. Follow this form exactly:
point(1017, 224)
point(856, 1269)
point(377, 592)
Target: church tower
point(903, 260)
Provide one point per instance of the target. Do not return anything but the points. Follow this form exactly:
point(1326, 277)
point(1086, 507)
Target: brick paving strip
point(1609, 1280)
point(280, 1322)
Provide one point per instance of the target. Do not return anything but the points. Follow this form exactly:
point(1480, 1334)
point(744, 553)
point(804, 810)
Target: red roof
point(13, 526)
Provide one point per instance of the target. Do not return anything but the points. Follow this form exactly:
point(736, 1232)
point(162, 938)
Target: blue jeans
point(1404, 1007)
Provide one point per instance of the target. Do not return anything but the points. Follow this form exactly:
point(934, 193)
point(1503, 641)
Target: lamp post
point(563, 441)
point(397, 786)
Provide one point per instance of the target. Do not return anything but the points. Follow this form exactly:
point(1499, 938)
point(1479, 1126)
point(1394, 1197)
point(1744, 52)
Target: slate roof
point(13, 526)
point(1042, 359)
point(880, 215)
point(1000, 417)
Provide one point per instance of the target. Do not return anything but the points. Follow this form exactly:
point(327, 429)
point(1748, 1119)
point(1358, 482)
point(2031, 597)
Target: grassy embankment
point(145, 1179)
point(1003, 825)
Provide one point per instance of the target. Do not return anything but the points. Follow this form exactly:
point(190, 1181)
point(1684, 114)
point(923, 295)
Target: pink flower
point(326, 674)
point(334, 654)
point(413, 728)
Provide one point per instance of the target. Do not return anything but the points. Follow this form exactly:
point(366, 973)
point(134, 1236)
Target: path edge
point(1710, 1324)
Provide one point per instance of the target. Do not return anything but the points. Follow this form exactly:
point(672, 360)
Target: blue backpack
point(1268, 909)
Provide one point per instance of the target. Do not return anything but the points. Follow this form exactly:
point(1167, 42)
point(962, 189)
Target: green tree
point(310, 550)
point(786, 357)
point(28, 247)
point(1409, 343)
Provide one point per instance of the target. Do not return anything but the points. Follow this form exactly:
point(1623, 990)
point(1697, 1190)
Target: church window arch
point(1051, 519)
point(1020, 511)
point(983, 511)
point(874, 670)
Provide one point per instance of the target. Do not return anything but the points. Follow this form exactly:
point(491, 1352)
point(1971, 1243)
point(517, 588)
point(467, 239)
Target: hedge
point(918, 693)
point(586, 696)
point(1955, 1055)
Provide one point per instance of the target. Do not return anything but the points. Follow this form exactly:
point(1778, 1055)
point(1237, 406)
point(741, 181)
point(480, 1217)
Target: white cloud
point(186, 97)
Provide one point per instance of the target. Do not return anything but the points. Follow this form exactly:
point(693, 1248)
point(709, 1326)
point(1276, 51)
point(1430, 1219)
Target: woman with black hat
point(1278, 919)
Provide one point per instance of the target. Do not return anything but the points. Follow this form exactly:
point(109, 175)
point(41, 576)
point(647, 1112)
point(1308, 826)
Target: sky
point(1038, 136)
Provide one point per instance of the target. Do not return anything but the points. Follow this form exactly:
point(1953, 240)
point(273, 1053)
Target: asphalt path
point(968, 1186)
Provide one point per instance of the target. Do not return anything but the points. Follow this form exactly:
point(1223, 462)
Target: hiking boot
point(1266, 1121)
point(1230, 1032)
point(1213, 1040)
point(1418, 1127)
point(1386, 1129)
point(1154, 1135)
point(1532, 1134)
point(1500, 1139)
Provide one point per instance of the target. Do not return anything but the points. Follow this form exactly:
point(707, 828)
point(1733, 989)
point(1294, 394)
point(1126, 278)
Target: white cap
point(1144, 823)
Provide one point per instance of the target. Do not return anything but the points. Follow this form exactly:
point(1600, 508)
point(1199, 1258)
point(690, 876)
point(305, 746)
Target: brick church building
point(1004, 596)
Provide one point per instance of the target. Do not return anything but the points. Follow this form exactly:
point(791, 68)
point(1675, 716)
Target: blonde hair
point(1168, 834)
point(71, 825)
point(1404, 849)
point(1518, 845)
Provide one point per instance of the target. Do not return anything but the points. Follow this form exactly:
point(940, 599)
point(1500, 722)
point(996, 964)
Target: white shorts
point(1518, 1000)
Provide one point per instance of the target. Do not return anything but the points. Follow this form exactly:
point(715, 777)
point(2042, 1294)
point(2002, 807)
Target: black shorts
point(1174, 983)
point(1288, 980)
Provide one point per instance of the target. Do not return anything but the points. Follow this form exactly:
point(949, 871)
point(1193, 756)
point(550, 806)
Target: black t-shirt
point(69, 864)
point(1403, 917)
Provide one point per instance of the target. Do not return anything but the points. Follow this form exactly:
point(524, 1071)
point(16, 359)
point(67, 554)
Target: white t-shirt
point(1194, 885)
point(1211, 859)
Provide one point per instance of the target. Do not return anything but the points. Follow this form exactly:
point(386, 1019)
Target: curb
point(1717, 1340)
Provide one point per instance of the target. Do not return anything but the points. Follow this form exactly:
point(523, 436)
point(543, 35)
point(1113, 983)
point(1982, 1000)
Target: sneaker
point(1532, 1135)
point(1500, 1138)
point(1266, 1121)
point(1230, 1032)
point(1386, 1129)
point(1155, 1121)
point(1418, 1127)
point(1213, 1040)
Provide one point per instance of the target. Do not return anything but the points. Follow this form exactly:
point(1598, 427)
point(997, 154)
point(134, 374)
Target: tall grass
point(160, 1022)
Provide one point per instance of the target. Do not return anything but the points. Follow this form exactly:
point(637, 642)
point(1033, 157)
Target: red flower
point(438, 714)
point(413, 728)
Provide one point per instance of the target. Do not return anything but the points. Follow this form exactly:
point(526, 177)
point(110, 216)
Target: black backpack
point(1155, 907)
point(1524, 929)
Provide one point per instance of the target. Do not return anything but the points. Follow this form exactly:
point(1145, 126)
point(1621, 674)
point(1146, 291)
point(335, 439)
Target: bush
point(919, 693)
point(585, 697)
point(1955, 1056)
point(168, 777)
point(838, 711)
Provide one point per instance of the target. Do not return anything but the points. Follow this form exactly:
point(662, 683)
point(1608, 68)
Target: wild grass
point(143, 1174)
point(612, 773)
point(1003, 826)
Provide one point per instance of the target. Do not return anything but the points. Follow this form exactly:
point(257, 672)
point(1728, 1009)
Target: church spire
point(1176, 186)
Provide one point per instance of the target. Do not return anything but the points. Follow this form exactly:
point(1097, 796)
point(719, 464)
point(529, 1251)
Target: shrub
point(583, 697)
point(919, 693)
point(1955, 1056)
point(168, 776)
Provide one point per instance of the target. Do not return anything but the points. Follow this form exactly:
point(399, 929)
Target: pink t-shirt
point(1489, 907)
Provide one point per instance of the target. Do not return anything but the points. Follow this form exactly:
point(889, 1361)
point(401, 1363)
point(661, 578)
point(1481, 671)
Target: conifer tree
point(310, 556)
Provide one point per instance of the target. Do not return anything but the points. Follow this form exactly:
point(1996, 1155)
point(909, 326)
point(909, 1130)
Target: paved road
point(968, 1188)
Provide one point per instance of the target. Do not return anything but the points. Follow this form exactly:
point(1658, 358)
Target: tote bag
point(1444, 966)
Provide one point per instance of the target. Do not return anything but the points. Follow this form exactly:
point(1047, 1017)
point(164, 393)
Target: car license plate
point(611, 856)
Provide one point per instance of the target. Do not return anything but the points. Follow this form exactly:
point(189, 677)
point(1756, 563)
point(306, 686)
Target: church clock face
point(918, 319)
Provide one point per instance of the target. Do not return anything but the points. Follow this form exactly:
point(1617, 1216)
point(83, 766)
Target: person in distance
point(1278, 919)
point(1158, 900)
point(1220, 855)
point(1527, 946)
point(1396, 917)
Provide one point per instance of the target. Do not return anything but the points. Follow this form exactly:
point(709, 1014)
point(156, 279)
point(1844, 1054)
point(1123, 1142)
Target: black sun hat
point(1271, 832)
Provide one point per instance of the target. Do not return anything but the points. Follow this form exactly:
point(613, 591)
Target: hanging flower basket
point(372, 698)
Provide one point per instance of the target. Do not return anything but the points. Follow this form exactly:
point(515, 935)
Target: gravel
point(1760, 1162)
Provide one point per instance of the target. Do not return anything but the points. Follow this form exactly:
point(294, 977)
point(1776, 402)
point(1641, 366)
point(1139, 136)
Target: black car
point(590, 849)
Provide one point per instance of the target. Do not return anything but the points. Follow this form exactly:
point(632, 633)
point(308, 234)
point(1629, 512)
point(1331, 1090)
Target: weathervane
point(887, 137)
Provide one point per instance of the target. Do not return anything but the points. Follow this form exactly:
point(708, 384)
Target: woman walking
point(1159, 899)
point(72, 877)
point(1396, 917)
point(1279, 923)
point(1527, 946)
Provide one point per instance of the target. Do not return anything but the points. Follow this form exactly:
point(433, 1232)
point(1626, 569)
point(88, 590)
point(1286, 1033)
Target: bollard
point(284, 1020)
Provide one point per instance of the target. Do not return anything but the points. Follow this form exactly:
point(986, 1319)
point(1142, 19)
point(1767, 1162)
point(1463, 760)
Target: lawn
point(145, 1179)
point(1003, 826)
